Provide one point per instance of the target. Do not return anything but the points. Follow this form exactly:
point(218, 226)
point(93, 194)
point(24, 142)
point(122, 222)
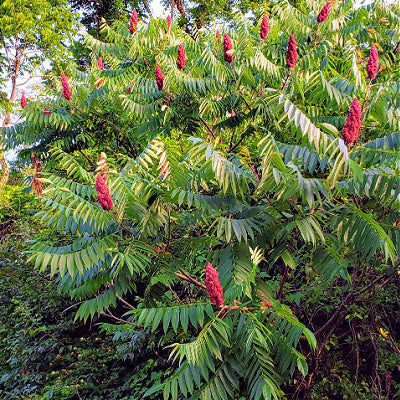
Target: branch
point(284, 278)
point(207, 126)
point(287, 78)
point(186, 277)
point(336, 315)
point(110, 315)
point(87, 158)
point(146, 6)
point(31, 77)
point(133, 152)
point(126, 303)
point(169, 228)
point(236, 145)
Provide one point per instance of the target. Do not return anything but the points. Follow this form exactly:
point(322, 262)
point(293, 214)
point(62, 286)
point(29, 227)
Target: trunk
point(5, 170)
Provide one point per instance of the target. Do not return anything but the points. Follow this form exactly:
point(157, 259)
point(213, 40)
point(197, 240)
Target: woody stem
point(186, 277)
point(286, 80)
point(365, 98)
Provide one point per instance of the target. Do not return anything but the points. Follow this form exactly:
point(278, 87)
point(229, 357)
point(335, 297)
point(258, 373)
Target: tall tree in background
point(30, 32)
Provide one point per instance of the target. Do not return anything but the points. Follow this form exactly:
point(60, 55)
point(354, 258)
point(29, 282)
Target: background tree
point(30, 33)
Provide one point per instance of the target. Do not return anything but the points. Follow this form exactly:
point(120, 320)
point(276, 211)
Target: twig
point(365, 98)
point(357, 350)
point(186, 277)
point(287, 78)
point(169, 228)
point(175, 295)
point(236, 145)
point(285, 275)
point(110, 315)
point(335, 316)
point(87, 158)
point(207, 126)
point(126, 303)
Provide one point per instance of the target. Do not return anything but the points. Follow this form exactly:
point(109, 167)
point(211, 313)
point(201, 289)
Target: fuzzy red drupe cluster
point(65, 87)
point(23, 101)
point(352, 125)
point(213, 285)
point(159, 78)
point(264, 28)
point(228, 56)
point(181, 60)
point(291, 54)
point(103, 193)
point(324, 13)
point(133, 22)
point(373, 63)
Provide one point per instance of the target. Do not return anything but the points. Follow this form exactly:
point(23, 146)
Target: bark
point(13, 73)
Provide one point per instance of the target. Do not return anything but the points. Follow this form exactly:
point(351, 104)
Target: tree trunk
point(5, 170)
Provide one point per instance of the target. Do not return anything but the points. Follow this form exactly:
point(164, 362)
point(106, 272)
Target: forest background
point(203, 205)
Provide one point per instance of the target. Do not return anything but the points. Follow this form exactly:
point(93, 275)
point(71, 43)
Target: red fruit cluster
point(264, 28)
point(99, 82)
point(103, 168)
point(353, 123)
point(100, 63)
point(23, 101)
point(291, 54)
point(103, 194)
point(213, 286)
point(46, 111)
point(324, 13)
point(159, 78)
point(65, 87)
point(181, 57)
point(373, 63)
point(228, 46)
point(217, 34)
point(169, 20)
point(133, 22)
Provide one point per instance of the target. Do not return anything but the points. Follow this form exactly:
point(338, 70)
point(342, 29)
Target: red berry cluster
point(100, 63)
point(264, 28)
point(213, 286)
point(133, 22)
point(228, 56)
point(23, 101)
point(65, 87)
point(373, 63)
point(324, 13)
point(352, 125)
point(180, 63)
point(103, 193)
point(291, 54)
point(46, 111)
point(159, 78)
point(169, 20)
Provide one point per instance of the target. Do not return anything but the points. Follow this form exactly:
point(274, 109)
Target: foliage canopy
point(239, 164)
